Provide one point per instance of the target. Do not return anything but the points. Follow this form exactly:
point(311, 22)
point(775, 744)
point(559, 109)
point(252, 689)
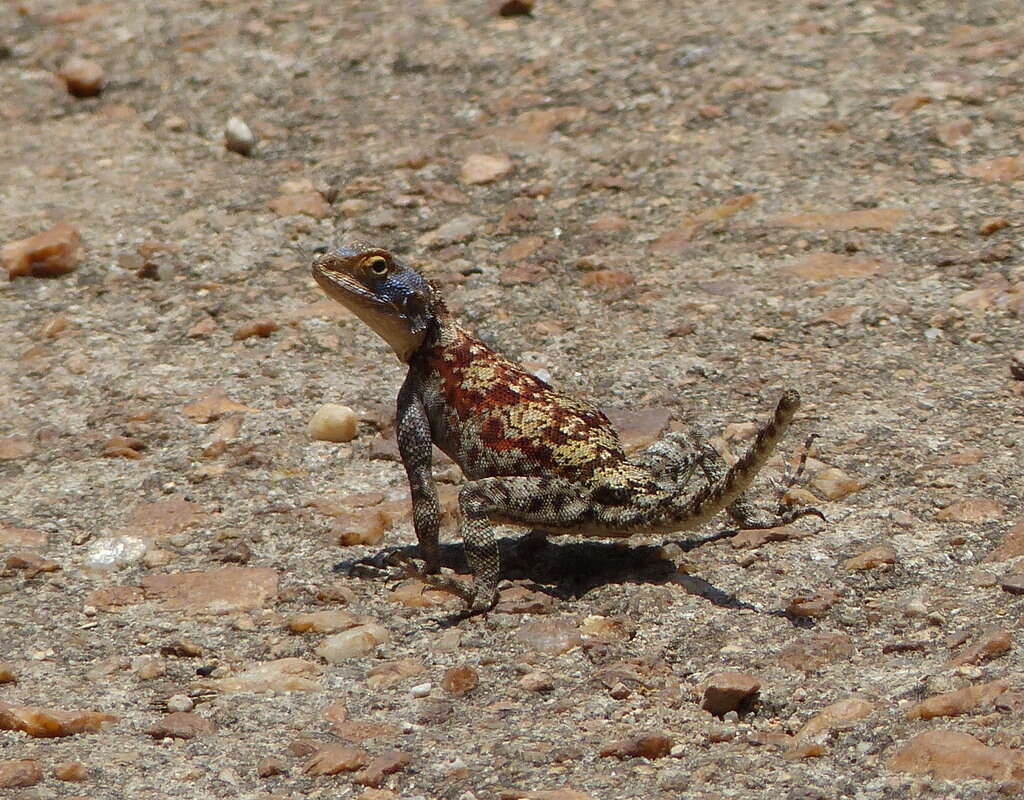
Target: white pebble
point(238, 138)
point(915, 608)
point(180, 702)
point(117, 551)
point(353, 643)
point(421, 689)
point(333, 423)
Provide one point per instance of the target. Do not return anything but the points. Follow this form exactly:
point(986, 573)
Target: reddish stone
point(952, 704)
point(829, 266)
point(840, 716)
point(12, 447)
point(46, 723)
point(482, 168)
point(217, 591)
point(460, 680)
point(951, 755)
point(82, 77)
point(881, 219)
point(394, 672)
point(358, 731)
point(1005, 169)
point(972, 509)
point(19, 773)
point(992, 644)
point(1011, 546)
point(262, 328)
point(72, 771)
point(881, 555)
point(645, 745)
point(814, 651)
point(334, 758)
point(49, 254)
point(608, 279)
point(521, 249)
point(110, 597)
point(21, 537)
point(383, 765)
point(181, 725)
point(312, 204)
point(729, 691)
point(213, 406)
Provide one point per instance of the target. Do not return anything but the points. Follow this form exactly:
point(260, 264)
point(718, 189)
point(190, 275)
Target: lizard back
point(492, 417)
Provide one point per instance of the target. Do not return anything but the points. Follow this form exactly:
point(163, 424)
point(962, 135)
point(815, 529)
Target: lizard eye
point(378, 265)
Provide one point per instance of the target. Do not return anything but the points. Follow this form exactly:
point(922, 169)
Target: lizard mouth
point(349, 292)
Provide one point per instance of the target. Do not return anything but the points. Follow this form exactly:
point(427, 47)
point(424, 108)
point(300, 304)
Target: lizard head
point(383, 291)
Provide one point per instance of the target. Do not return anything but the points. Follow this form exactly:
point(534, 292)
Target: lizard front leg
point(415, 445)
point(550, 504)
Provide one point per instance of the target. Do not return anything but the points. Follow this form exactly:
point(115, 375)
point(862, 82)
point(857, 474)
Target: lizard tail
point(711, 499)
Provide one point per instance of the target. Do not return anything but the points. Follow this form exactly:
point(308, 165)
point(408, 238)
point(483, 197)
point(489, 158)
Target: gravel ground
point(666, 207)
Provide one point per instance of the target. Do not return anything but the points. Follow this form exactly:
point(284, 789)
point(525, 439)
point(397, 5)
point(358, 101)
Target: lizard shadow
point(570, 569)
point(574, 568)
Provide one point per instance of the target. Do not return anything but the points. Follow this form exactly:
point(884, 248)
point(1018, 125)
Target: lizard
point(531, 455)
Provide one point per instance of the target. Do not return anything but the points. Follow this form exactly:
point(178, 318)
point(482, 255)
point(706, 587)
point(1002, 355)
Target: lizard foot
point(791, 479)
point(477, 598)
point(391, 565)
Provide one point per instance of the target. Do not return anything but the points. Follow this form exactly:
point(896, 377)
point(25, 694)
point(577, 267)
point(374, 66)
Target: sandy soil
point(686, 207)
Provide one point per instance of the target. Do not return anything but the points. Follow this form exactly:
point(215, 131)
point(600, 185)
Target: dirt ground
point(682, 207)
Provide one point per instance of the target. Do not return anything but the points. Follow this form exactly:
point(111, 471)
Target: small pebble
point(353, 643)
point(262, 328)
point(1013, 584)
point(992, 224)
point(238, 137)
point(483, 168)
point(460, 680)
point(727, 692)
point(915, 608)
point(514, 8)
point(181, 725)
point(82, 77)
point(49, 254)
point(180, 702)
point(19, 773)
point(421, 689)
point(268, 767)
point(537, 681)
point(70, 771)
point(333, 423)
point(149, 667)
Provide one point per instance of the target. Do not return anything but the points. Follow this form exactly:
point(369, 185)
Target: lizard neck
point(444, 337)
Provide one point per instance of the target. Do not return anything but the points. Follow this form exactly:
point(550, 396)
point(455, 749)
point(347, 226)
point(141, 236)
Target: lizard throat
point(403, 334)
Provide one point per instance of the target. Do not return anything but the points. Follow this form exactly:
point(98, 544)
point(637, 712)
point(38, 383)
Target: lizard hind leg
point(743, 510)
point(791, 478)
